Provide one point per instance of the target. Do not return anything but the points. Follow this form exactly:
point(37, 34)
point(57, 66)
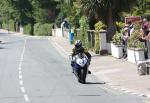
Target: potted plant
point(135, 49)
point(116, 47)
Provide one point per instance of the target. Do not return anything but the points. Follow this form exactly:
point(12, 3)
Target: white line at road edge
point(22, 88)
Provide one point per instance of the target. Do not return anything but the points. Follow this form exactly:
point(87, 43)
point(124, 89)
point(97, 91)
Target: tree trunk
point(111, 25)
point(32, 29)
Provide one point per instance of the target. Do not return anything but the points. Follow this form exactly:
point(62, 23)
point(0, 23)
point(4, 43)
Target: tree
point(142, 8)
point(69, 9)
point(6, 11)
point(107, 11)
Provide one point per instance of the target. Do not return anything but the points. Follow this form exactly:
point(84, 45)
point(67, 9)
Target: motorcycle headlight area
point(82, 62)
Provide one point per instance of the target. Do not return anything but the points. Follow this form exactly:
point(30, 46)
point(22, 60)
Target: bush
point(133, 41)
point(98, 26)
point(117, 38)
point(11, 25)
point(43, 29)
point(120, 25)
point(36, 29)
point(46, 29)
point(27, 29)
point(83, 31)
point(4, 25)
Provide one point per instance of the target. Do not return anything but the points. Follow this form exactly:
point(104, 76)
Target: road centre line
point(21, 82)
point(20, 77)
point(22, 88)
point(26, 98)
point(20, 72)
point(19, 68)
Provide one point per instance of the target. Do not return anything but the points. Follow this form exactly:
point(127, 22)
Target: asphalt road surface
point(32, 70)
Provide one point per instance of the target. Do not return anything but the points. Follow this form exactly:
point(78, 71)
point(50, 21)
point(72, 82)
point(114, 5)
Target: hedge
point(4, 25)
point(27, 29)
point(43, 29)
point(11, 25)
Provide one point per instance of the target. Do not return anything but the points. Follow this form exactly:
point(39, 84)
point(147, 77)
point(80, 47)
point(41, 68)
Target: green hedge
point(43, 29)
point(4, 25)
point(83, 31)
point(11, 25)
point(27, 29)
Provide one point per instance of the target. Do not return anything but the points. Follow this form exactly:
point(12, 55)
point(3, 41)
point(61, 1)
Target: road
point(32, 70)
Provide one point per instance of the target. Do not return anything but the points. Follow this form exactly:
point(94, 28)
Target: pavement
point(119, 74)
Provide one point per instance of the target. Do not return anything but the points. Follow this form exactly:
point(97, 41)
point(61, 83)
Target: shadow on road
point(2, 48)
point(3, 34)
point(95, 83)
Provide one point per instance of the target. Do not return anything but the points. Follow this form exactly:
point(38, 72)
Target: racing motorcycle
point(80, 65)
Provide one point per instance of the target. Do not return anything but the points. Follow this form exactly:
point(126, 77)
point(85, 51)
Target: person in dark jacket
point(78, 48)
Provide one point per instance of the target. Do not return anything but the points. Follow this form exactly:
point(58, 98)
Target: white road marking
point(20, 72)
point(20, 64)
point(20, 68)
point(21, 82)
point(22, 89)
point(148, 96)
point(20, 77)
point(134, 93)
point(26, 98)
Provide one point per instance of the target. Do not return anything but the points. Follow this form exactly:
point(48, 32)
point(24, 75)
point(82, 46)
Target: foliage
point(133, 41)
point(27, 29)
point(73, 18)
point(28, 11)
point(58, 20)
point(117, 38)
point(83, 31)
point(106, 10)
point(4, 25)
point(69, 9)
point(36, 28)
point(142, 8)
point(100, 8)
point(11, 25)
point(42, 29)
point(98, 26)
point(47, 29)
point(119, 25)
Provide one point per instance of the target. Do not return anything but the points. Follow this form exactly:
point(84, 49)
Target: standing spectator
point(130, 28)
point(125, 37)
point(145, 29)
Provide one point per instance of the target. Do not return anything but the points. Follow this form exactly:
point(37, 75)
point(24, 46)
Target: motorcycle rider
point(78, 48)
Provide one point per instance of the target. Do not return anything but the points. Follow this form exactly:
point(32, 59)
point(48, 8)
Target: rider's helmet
point(78, 44)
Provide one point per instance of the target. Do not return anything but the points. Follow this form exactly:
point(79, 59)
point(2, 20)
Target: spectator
point(145, 36)
point(130, 28)
point(145, 27)
point(125, 37)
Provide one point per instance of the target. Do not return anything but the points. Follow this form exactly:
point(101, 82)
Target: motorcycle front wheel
point(82, 77)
